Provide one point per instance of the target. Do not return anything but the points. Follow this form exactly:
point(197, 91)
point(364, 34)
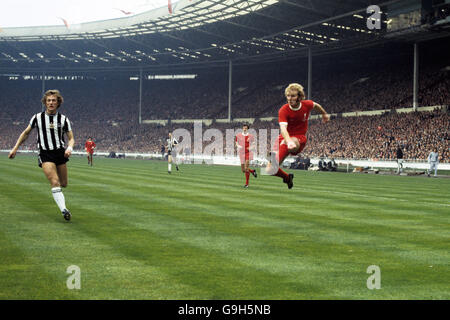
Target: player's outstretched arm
point(319, 108)
point(287, 138)
point(23, 136)
point(70, 144)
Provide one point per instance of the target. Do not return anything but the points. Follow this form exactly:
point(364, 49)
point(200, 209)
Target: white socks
point(59, 198)
point(170, 167)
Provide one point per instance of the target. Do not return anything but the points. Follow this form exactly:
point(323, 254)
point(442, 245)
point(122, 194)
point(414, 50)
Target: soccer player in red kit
point(89, 146)
point(293, 119)
point(245, 144)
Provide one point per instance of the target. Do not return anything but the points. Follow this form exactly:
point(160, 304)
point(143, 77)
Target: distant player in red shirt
point(293, 119)
point(89, 146)
point(245, 145)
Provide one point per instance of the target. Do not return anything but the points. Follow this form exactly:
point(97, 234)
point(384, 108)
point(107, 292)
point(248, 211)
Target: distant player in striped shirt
point(171, 152)
point(245, 145)
point(53, 154)
point(293, 119)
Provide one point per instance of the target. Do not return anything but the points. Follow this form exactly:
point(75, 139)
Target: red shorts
point(301, 139)
point(90, 151)
point(245, 156)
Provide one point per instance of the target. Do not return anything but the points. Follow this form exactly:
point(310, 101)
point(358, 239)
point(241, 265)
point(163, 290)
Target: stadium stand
point(107, 108)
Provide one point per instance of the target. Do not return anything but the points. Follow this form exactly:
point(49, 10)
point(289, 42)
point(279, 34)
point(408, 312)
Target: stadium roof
point(195, 32)
point(32, 13)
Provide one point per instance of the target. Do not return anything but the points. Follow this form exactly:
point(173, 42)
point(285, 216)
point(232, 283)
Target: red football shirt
point(90, 145)
point(244, 141)
point(296, 120)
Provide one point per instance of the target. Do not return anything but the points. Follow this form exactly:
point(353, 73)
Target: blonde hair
point(297, 87)
point(53, 92)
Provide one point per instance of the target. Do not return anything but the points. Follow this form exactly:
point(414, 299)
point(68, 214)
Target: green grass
point(139, 233)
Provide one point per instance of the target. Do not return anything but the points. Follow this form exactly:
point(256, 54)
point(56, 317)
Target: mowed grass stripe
point(155, 177)
point(423, 190)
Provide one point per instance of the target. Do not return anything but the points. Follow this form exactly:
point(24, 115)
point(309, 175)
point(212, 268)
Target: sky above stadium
point(27, 13)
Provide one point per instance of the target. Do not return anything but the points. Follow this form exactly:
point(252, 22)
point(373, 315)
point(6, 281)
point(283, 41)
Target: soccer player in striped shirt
point(53, 154)
point(293, 119)
point(171, 151)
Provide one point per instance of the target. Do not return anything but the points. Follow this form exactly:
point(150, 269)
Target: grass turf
point(139, 233)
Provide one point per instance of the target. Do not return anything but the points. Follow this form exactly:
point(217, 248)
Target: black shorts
point(55, 156)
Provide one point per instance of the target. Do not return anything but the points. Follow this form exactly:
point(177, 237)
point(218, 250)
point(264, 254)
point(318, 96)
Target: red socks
point(282, 174)
point(283, 152)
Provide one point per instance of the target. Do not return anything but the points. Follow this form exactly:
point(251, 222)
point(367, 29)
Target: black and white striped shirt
point(171, 143)
point(50, 130)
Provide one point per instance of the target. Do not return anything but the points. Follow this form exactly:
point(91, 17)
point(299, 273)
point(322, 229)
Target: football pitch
point(139, 233)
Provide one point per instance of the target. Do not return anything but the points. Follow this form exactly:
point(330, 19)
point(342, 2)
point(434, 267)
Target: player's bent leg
point(283, 152)
point(247, 165)
point(246, 172)
point(62, 175)
point(169, 165)
point(63, 179)
point(297, 146)
point(52, 172)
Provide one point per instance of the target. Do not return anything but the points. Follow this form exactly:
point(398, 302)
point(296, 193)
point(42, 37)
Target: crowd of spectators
point(108, 110)
point(377, 137)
